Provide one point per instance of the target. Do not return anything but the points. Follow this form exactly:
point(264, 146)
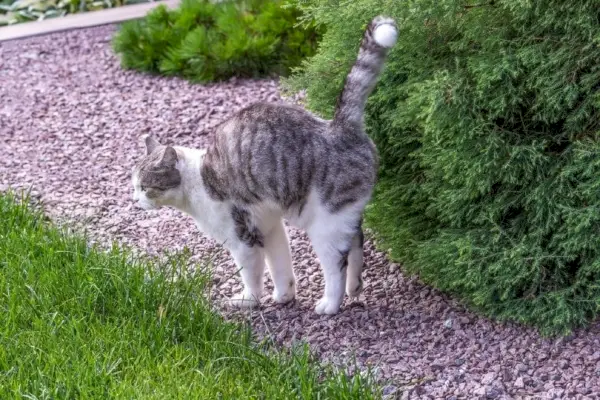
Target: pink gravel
point(70, 120)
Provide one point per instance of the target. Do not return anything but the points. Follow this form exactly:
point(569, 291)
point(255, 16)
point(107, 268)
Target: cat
point(271, 162)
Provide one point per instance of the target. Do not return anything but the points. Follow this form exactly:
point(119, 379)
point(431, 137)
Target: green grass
point(80, 323)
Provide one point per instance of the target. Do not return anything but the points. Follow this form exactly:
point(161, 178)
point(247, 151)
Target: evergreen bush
point(205, 41)
point(487, 119)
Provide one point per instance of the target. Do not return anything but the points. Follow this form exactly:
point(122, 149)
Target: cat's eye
point(143, 188)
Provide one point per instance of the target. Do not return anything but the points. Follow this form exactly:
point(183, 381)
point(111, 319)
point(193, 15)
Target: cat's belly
point(302, 216)
point(217, 235)
point(217, 225)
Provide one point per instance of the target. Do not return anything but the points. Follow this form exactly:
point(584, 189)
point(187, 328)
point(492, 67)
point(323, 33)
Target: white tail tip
point(386, 35)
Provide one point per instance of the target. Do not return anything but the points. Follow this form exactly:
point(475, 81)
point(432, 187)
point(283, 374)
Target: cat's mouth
point(145, 206)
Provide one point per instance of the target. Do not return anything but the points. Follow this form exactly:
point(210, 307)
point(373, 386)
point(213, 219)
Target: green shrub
point(206, 41)
point(487, 120)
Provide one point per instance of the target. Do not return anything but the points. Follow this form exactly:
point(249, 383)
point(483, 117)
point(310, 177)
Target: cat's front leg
point(279, 260)
point(251, 263)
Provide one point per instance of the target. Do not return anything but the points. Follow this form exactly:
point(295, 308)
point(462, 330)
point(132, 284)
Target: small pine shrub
point(487, 119)
point(206, 41)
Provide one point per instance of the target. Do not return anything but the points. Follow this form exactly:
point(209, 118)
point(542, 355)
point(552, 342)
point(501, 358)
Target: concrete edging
point(81, 20)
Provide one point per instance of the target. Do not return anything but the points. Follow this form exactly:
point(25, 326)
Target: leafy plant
point(205, 41)
point(487, 119)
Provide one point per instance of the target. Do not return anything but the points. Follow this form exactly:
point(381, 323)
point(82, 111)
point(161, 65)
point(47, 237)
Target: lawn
point(79, 322)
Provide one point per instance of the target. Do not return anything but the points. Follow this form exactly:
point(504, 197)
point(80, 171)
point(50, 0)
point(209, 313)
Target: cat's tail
point(380, 36)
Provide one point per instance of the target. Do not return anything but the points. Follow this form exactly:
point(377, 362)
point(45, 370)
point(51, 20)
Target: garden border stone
point(81, 20)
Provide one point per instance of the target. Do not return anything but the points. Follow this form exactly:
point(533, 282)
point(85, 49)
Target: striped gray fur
point(157, 171)
point(245, 230)
point(349, 113)
point(280, 152)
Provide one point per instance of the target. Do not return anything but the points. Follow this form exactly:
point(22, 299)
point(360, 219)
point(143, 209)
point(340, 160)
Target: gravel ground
point(70, 120)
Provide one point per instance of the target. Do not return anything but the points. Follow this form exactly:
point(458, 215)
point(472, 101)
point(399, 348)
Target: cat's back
point(273, 119)
point(267, 136)
point(280, 152)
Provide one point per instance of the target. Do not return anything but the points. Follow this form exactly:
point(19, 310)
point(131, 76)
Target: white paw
point(286, 295)
point(327, 306)
point(354, 288)
point(283, 297)
point(243, 300)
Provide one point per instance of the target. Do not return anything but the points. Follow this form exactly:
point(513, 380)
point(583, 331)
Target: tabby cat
point(274, 161)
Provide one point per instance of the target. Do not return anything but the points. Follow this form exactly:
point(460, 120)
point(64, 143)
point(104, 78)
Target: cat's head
point(156, 179)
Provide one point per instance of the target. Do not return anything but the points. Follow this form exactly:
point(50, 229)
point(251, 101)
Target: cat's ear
point(151, 143)
point(169, 158)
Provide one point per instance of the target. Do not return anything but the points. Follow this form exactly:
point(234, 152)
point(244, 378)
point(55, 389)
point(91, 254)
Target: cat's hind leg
point(332, 241)
point(354, 281)
point(279, 261)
